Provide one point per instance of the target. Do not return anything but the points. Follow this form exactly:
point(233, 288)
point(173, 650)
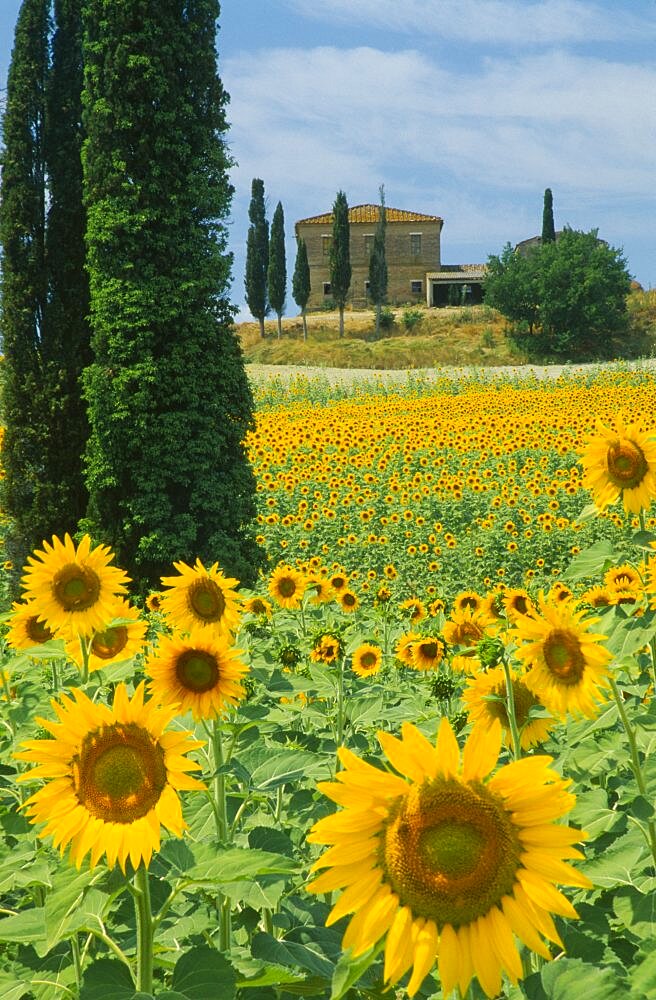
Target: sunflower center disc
point(108, 644)
point(563, 656)
point(524, 701)
point(206, 600)
point(450, 851)
point(469, 634)
point(627, 464)
point(37, 630)
point(368, 660)
point(120, 773)
point(428, 649)
point(287, 586)
point(197, 670)
point(76, 588)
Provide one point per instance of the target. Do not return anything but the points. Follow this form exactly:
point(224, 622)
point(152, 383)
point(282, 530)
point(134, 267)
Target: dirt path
point(347, 376)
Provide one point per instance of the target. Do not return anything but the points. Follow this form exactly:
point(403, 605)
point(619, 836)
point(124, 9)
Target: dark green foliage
point(548, 229)
point(25, 493)
point(169, 403)
point(340, 257)
point(257, 255)
point(66, 347)
point(568, 296)
point(277, 270)
point(301, 281)
point(378, 263)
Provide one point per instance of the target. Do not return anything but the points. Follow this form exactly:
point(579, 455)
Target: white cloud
point(545, 22)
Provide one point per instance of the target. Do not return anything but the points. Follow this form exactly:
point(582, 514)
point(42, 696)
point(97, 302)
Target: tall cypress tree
point(378, 263)
point(169, 402)
point(301, 281)
point(24, 495)
point(257, 254)
point(66, 345)
point(277, 272)
point(340, 257)
point(548, 229)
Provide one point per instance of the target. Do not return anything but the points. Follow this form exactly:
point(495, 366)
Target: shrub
point(410, 318)
point(387, 318)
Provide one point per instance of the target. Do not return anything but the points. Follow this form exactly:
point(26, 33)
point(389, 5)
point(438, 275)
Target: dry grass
point(451, 336)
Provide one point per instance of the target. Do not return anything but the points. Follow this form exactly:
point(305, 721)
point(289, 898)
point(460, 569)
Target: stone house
point(412, 252)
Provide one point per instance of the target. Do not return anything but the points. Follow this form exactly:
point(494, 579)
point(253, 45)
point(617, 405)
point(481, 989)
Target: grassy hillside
point(473, 335)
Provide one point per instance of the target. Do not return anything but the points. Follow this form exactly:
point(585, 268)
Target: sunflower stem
point(77, 962)
point(339, 739)
point(144, 919)
point(510, 710)
point(55, 675)
point(7, 693)
point(222, 830)
point(635, 761)
point(84, 649)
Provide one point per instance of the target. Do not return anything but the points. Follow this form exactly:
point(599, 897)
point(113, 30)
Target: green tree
point(378, 263)
point(340, 257)
point(568, 297)
point(257, 254)
point(548, 229)
point(66, 345)
point(24, 492)
point(301, 281)
point(277, 270)
point(169, 402)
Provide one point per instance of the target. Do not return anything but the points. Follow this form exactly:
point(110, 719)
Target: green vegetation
point(378, 264)
point(548, 228)
point(340, 256)
point(301, 282)
point(169, 402)
point(257, 255)
point(277, 268)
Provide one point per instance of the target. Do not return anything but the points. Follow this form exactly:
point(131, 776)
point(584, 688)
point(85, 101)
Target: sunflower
point(468, 599)
point(568, 664)
point(154, 602)
point(367, 660)
point(322, 588)
point(403, 651)
point(415, 607)
point(201, 598)
point(623, 577)
point(620, 463)
point(517, 603)
point(287, 587)
point(338, 581)
point(199, 673)
point(258, 606)
point(383, 594)
point(446, 862)
point(326, 649)
point(73, 588)
point(466, 663)
point(427, 653)
point(111, 777)
point(26, 627)
point(560, 592)
point(436, 607)
point(466, 628)
point(597, 597)
point(113, 643)
point(483, 710)
point(348, 600)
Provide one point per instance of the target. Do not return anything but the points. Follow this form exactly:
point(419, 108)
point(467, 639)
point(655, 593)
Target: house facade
point(412, 252)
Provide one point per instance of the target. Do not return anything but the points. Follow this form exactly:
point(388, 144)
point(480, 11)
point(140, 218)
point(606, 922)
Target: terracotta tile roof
point(369, 213)
point(449, 272)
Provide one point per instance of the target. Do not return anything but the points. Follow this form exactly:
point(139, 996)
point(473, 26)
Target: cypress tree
point(169, 402)
point(67, 348)
point(378, 263)
point(277, 271)
point(24, 495)
point(257, 255)
point(301, 281)
point(548, 229)
point(340, 258)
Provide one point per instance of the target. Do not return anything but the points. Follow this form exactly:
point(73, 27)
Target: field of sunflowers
point(415, 761)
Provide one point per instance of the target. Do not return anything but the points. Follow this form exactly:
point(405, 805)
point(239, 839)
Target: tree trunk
point(341, 321)
point(378, 311)
point(279, 325)
point(261, 321)
point(304, 325)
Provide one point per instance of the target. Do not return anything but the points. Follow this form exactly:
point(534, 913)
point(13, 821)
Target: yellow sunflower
point(415, 607)
point(73, 588)
point(403, 650)
point(322, 588)
point(201, 598)
point(568, 664)
point(427, 653)
point(516, 603)
point(326, 649)
point(448, 863)
point(113, 643)
point(624, 577)
point(199, 673)
point(483, 711)
point(367, 659)
point(258, 606)
point(466, 663)
point(560, 592)
point(466, 627)
point(112, 777)
point(287, 587)
point(620, 463)
point(154, 602)
point(338, 581)
point(468, 599)
point(597, 597)
point(26, 627)
point(348, 600)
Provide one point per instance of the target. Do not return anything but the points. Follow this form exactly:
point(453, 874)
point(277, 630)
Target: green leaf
point(107, 979)
point(204, 974)
point(591, 562)
point(643, 977)
point(289, 953)
point(349, 970)
point(235, 864)
point(617, 864)
point(636, 911)
point(569, 978)
point(628, 635)
point(266, 839)
point(28, 927)
point(288, 766)
point(12, 988)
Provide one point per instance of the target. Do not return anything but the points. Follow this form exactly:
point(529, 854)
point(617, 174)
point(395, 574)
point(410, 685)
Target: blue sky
point(467, 109)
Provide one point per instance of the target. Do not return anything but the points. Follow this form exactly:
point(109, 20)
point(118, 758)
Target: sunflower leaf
point(592, 561)
point(108, 979)
point(203, 974)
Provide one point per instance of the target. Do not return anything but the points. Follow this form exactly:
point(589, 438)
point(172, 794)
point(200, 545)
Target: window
point(325, 245)
point(367, 286)
point(326, 288)
point(415, 244)
point(416, 287)
point(368, 244)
